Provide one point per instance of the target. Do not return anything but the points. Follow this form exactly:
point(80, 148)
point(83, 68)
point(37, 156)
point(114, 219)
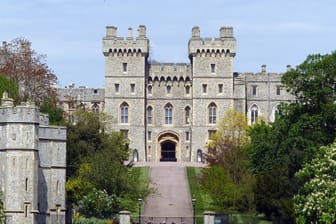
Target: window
point(150, 89)
point(124, 67)
point(213, 68)
point(168, 114)
point(187, 136)
point(220, 88)
point(149, 115)
point(132, 88)
point(26, 211)
point(254, 90)
point(187, 115)
point(278, 90)
point(116, 87)
point(95, 91)
point(26, 184)
point(212, 113)
point(57, 187)
point(254, 114)
point(168, 89)
point(149, 136)
point(211, 134)
point(187, 90)
point(124, 113)
point(204, 88)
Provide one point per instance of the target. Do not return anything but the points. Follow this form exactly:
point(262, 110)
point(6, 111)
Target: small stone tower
point(125, 72)
point(32, 165)
point(212, 74)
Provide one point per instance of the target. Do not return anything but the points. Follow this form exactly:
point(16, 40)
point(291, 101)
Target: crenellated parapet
point(26, 112)
point(223, 46)
point(169, 73)
point(129, 46)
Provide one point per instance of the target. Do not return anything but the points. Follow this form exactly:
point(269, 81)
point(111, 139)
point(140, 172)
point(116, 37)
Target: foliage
point(278, 151)
point(92, 220)
point(49, 106)
point(228, 179)
point(9, 86)
point(96, 167)
point(316, 200)
point(28, 68)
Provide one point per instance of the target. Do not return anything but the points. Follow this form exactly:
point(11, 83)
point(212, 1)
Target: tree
point(50, 106)
point(9, 86)
point(28, 68)
point(228, 179)
point(316, 200)
point(278, 151)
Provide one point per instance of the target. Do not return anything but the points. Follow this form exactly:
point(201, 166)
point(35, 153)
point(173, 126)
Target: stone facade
point(33, 165)
point(169, 111)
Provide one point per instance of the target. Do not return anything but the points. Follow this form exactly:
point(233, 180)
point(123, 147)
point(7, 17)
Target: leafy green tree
point(278, 151)
point(228, 180)
point(49, 106)
point(316, 200)
point(9, 86)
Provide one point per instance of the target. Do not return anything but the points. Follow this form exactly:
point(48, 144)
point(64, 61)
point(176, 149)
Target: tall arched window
point(187, 115)
point(149, 115)
point(168, 114)
point(124, 113)
point(254, 114)
point(212, 113)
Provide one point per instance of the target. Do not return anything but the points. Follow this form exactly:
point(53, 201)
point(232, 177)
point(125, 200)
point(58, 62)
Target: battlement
point(27, 112)
point(112, 44)
point(57, 133)
point(179, 72)
point(224, 45)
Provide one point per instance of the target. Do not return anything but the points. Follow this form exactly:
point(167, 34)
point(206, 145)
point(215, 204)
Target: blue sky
point(70, 32)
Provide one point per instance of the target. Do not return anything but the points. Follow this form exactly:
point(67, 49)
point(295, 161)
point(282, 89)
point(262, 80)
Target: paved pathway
point(172, 198)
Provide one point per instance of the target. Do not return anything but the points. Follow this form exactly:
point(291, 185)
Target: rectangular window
point(124, 67)
point(187, 136)
point(168, 114)
point(254, 90)
point(149, 115)
point(149, 136)
point(116, 87)
point(213, 68)
point(204, 88)
point(220, 88)
point(278, 90)
point(132, 88)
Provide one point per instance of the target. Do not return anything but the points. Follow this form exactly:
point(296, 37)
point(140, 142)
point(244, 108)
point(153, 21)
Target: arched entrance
point(168, 143)
point(168, 151)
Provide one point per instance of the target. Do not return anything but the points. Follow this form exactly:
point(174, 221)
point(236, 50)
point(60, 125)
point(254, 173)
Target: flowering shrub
point(316, 200)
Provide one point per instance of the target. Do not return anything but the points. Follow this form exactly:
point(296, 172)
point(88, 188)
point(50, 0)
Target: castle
point(33, 165)
point(169, 111)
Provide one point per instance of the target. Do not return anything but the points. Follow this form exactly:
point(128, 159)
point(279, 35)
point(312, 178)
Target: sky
point(70, 32)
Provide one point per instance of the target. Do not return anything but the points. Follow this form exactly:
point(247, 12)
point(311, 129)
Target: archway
point(168, 147)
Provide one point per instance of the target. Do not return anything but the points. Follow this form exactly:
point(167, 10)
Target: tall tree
point(9, 86)
point(26, 67)
point(228, 179)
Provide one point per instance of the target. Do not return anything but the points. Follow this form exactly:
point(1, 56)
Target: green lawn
point(203, 202)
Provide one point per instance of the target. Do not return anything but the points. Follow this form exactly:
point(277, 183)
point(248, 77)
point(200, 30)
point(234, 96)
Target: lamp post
point(193, 201)
point(139, 203)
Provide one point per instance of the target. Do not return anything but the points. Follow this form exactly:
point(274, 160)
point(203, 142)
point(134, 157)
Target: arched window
point(168, 114)
point(199, 156)
point(168, 89)
point(135, 155)
point(212, 113)
point(95, 108)
point(187, 115)
point(254, 114)
point(187, 89)
point(124, 113)
point(149, 115)
point(150, 90)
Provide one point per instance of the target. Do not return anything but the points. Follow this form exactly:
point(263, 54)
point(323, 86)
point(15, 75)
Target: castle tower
point(19, 160)
point(125, 72)
point(212, 74)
